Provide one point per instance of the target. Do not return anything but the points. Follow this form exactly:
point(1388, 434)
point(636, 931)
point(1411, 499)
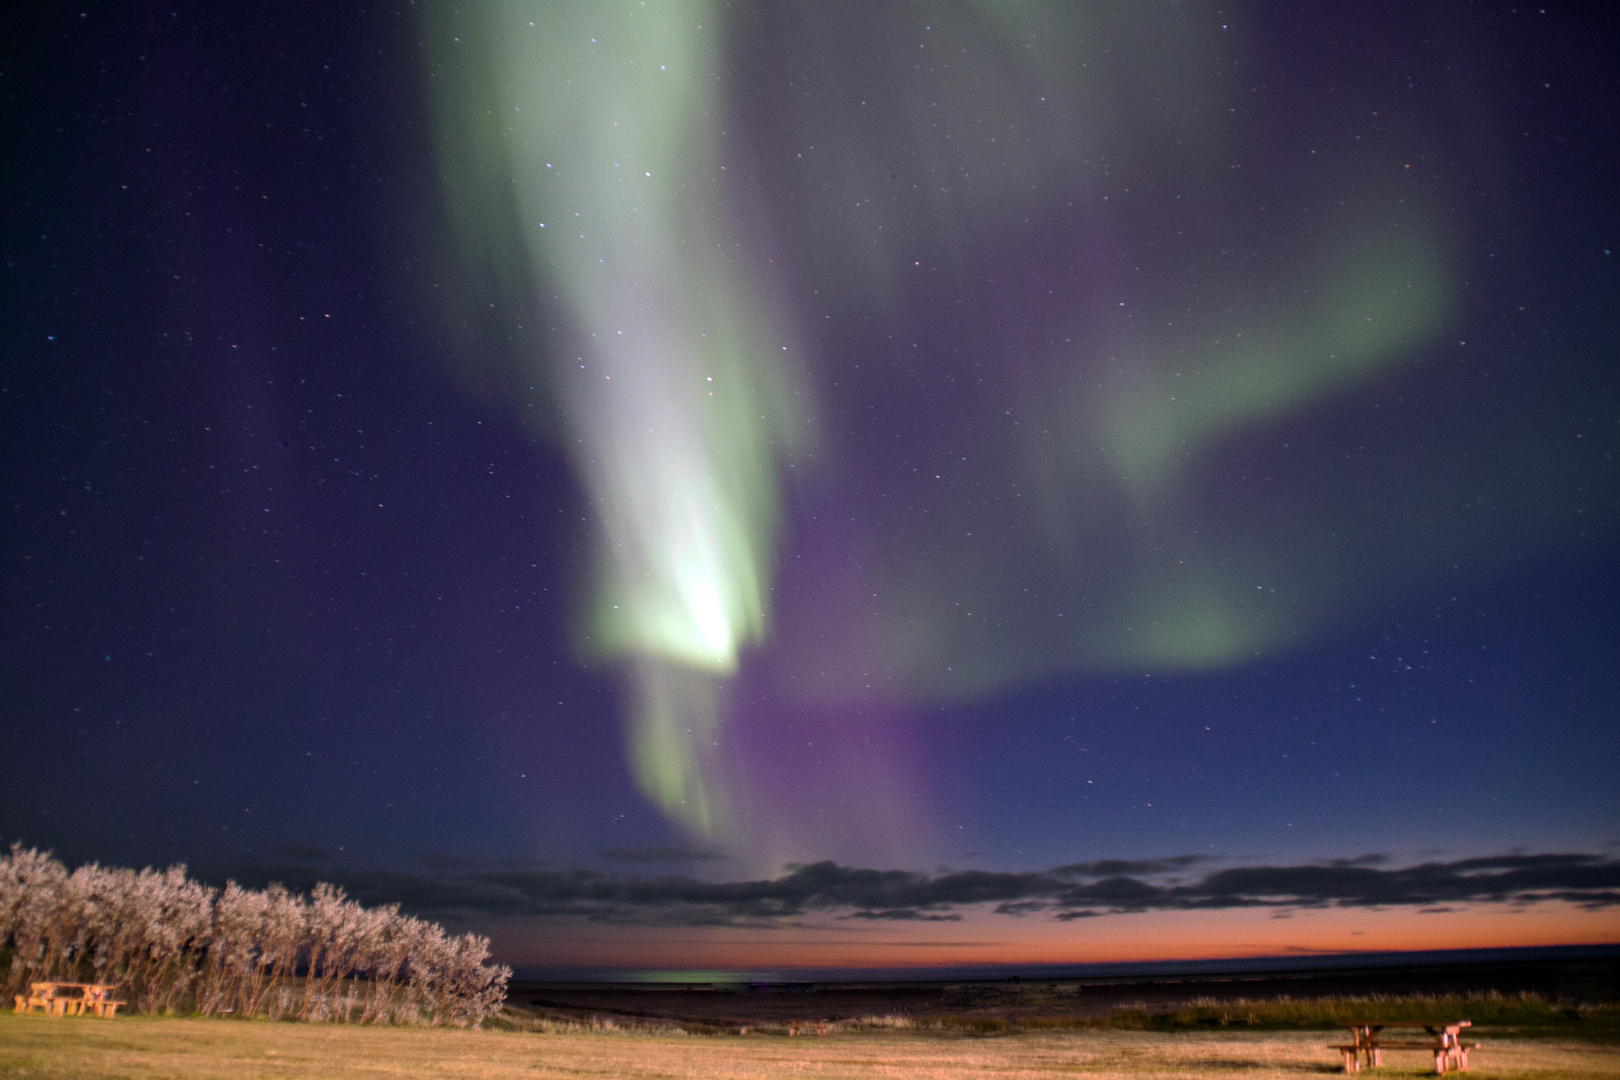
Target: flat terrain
point(723, 1008)
point(90, 1049)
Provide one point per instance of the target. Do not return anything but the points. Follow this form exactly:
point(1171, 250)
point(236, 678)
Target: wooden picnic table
point(1444, 1042)
point(68, 999)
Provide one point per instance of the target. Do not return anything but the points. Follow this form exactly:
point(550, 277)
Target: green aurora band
point(602, 122)
point(581, 147)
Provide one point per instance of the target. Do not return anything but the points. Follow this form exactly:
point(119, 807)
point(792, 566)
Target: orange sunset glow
point(981, 938)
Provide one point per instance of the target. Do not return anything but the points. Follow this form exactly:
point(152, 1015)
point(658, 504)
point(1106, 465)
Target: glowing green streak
point(1375, 301)
point(597, 125)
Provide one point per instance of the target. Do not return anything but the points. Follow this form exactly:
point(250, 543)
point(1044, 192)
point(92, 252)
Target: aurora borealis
point(472, 451)
point(679, 407)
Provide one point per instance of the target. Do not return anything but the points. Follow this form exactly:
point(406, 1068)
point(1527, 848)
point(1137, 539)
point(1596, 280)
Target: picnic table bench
point(67, 999)
point(1444, 1042)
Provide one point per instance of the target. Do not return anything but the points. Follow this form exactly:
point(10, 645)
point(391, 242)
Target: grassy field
point(91, 1049)
point(1521, 1014)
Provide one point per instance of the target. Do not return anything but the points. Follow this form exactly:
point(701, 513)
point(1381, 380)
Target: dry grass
point(1523, 1013)
point(89, 1049)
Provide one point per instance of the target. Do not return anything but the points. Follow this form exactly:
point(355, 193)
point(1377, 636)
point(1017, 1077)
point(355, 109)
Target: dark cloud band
point(1081, 890)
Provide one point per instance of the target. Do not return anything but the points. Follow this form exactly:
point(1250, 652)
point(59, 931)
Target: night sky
point(776, 486)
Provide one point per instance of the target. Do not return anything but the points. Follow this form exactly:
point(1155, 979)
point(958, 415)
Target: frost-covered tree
point(173, 944)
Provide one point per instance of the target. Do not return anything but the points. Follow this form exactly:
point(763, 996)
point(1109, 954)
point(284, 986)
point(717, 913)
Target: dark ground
point(1569, 980)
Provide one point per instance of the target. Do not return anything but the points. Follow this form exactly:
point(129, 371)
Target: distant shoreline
point(1310, 966)
point(1012, 999)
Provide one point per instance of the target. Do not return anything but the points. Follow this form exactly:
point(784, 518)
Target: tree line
point(171, 944)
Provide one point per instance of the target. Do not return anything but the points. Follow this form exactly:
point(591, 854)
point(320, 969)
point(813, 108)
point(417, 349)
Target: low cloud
point(1064, 893)
point(905, 915)
point(1117, 867)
